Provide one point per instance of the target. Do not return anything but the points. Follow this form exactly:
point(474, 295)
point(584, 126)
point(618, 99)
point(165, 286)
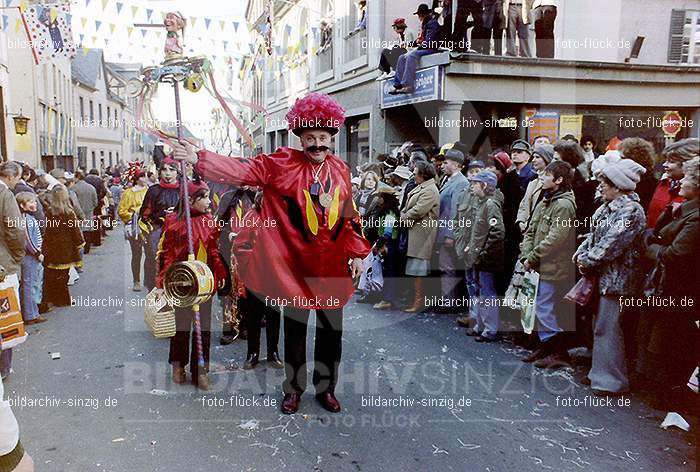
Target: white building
point(103, 121)
point(44, 94)
point(7, 129)
point(593, 85)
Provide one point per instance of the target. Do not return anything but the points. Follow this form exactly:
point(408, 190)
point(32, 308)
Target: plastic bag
point(527, 297)
point(372, 278)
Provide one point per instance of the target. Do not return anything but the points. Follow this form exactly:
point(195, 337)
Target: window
point(116, 119)
point(684, 40)
point(110, 158)
point(82, 108)
point(99, 113)
point(109, 115)
point(92, 111)
point(94, 160)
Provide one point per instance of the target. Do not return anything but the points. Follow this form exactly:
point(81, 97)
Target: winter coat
point(467, 207)
point(420, 215)
point(612, 249)
point(87, 197)
point(449, 196)
point(130, 203)
point(676, 243)
point(533, 195)
point(12, 232)
point(661, 198)
point(62, 241)
point(486, 249)
point(551, 237)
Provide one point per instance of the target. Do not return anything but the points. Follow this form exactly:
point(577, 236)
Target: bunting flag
point(50, 30)
point(120, 5)
point(207, 22)
point(149, 13)
point(97, 25)
point(235, 26)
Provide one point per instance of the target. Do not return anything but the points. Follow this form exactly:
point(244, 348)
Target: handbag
point(582, 292)
point(159, 315)
point(11, 322)
point(132, 231)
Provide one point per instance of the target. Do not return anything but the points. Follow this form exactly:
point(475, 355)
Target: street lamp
point(21, 123)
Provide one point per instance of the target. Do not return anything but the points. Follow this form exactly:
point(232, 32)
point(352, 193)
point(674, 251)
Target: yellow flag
point(53, 13)
point(18, 25)
point(222, 23)
point(83, 21)
point(130, 29)
point(23, 5)
point(104, 4)
point(134, 10)
point(258, 74)
point(112, 27)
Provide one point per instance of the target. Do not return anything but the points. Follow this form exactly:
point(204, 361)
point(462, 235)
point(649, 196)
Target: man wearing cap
point(521, 153)
point(427, 44)
point(399, 180)
point(311, 247)
point(445, 242)
point(389, 57)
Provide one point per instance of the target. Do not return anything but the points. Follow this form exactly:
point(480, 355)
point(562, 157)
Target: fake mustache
point(313, 149)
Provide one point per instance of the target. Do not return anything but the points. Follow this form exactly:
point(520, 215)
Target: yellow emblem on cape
point(239, 211)
point(311, 217)
point(335, 208)
point(201, 253)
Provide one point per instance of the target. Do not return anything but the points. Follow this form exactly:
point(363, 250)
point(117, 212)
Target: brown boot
point(418, 298)
point(203, 381)
point(179, 375)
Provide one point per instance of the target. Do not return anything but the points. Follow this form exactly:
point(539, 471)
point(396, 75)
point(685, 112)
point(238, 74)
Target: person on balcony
point(427, 44)
point(517, 23)
point(390, 57)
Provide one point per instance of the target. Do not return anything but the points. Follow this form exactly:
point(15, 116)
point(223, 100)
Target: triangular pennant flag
point(112, 27)
point(23, 4)
point(18, 25)
point(225, 45)
point(83, 21)
point(134, 11)
point(53, 14)
point(207, 22)
point(193, 20)
point(82, 37)
point(149, 13)
point(222, 24)
point(120, 5)
point(97, 25)
point(104, 4)
point(235, 26)
point(87, 2)
point(94, 40)
point(129, 30)
point(143, 32)
point(5, 22)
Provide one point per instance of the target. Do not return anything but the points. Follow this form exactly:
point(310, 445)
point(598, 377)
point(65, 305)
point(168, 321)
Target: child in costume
point(173, 248)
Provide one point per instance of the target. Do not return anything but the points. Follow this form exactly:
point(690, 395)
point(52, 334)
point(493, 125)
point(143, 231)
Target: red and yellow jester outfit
point(302, 249)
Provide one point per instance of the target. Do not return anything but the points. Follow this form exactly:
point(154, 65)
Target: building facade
point(597, 84)
point(44, 94)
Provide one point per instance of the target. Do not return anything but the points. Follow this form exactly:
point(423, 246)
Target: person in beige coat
point(420, 215)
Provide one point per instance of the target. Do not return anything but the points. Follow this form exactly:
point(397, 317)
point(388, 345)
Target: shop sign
point(672, 123)
point(428, 87)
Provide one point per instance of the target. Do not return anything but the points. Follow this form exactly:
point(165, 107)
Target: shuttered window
point(684, 37)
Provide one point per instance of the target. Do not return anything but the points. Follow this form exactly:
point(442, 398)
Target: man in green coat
point(547, 247)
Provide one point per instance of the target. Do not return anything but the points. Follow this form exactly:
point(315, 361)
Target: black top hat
point(423, 9)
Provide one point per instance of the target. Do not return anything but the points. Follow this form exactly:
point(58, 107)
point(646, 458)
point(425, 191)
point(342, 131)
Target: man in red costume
point(310, 244)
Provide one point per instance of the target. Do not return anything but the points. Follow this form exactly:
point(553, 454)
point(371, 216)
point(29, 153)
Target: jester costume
point(159, 200)
point(172, 248)
point(308, 231)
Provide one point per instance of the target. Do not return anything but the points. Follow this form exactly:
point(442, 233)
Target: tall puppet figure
point(174, 23)
point(310, 246)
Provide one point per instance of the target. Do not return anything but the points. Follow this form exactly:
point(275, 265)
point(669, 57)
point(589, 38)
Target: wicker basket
point(159, 315)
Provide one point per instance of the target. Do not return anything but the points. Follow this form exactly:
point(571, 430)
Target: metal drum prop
point(189, 283)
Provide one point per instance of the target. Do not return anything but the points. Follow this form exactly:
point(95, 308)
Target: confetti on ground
point(437, 450)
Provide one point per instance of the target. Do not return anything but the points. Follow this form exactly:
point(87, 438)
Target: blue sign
point(428, 87)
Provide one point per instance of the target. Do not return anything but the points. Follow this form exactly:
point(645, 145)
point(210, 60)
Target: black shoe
point(290, 403)
point(274, 361)
point(485, 339)
point(251, 362)
point(328, 401)
point(227, 339)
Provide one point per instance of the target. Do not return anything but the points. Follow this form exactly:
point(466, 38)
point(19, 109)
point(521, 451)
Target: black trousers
point(327, 349)
point(389, 58)
point(544, 30)
point(256, 309)
point(184, 351)
point(459, 35)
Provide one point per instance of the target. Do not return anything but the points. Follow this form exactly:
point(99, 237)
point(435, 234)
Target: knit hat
point(545, 151)
point(502, 161)
point(602, 161)
point(625, 174)
point(487, 177)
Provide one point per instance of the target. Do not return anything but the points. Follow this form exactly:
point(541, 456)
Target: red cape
point(300, 250)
